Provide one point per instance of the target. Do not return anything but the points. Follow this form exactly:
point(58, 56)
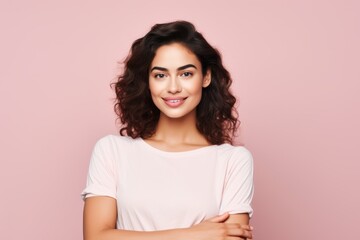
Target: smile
point(174, 102)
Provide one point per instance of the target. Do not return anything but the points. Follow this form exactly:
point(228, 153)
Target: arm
point(242, 219)
point(100, 220)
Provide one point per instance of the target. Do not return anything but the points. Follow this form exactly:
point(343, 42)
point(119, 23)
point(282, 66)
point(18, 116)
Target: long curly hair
point(217, 118)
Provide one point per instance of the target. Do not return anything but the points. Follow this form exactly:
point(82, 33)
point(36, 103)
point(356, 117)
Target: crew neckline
point(192, 151)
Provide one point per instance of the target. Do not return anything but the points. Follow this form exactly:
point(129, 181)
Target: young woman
point(173, 173)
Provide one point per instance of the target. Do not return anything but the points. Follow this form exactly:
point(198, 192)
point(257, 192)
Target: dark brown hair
point(216, 115)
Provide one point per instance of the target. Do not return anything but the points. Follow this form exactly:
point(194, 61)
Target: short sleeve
point(238, 189)
point(101, 179)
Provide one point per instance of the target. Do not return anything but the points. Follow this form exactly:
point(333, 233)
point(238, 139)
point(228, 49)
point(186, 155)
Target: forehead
point(174, 55)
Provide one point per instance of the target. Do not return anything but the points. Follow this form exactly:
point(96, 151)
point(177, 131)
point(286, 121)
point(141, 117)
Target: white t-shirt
point(157, 190)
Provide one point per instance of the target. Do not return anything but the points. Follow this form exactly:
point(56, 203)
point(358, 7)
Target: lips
point(174, 102)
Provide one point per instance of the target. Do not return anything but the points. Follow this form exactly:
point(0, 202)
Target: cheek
point(153, 88)
point(194, 88)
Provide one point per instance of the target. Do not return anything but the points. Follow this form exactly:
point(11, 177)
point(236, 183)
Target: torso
point(159, 190)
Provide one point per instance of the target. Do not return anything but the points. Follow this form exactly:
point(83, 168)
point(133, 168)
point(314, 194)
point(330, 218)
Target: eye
point(186, 74)
point(159, 75)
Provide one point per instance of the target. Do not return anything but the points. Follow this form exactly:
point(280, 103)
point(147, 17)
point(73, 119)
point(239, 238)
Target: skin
point(176, 129)
point(175, 73)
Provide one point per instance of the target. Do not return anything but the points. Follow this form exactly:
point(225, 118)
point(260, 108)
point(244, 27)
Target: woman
point(173, 173)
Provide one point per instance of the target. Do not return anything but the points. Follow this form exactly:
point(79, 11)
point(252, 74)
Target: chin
point(176, 115)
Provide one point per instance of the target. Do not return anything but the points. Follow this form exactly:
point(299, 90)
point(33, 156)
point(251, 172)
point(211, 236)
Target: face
point(176, 81)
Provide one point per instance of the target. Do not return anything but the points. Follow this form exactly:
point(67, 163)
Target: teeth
point(174, 101)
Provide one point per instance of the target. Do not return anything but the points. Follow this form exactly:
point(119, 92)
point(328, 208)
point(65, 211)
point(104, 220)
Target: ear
point(207, 79)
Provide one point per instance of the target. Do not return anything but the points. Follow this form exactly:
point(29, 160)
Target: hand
point(216, 228)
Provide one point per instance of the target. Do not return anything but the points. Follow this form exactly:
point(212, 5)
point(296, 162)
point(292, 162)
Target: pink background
point(296, 70)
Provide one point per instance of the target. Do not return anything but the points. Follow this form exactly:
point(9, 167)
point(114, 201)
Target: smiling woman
point(176, 86)
point(173, 173)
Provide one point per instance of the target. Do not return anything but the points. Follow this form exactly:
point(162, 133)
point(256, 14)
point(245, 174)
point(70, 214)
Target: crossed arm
point(100, 224)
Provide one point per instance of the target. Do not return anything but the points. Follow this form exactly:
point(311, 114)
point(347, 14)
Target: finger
point(247, 227)
point(237, 225)
point(236, 232)
point(237, 238)
point(219, 218)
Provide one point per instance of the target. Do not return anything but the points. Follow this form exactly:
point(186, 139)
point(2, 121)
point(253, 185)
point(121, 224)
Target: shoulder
point(235, 156)
point(234, 151)
point(114, 139)
point(113, 142)
point(110, 149)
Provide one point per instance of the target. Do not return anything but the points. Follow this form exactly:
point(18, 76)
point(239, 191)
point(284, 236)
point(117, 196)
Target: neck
point(175, 131)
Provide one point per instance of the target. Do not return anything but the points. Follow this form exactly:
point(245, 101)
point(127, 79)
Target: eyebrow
point(179, 68)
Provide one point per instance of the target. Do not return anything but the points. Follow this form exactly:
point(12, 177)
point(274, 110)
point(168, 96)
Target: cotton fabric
point(158, 190)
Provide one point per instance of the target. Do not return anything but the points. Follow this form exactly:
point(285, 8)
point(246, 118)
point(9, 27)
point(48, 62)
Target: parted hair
point(216, 116)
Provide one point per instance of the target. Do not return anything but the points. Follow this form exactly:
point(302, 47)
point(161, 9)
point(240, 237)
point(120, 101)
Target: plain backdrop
point(295, 66)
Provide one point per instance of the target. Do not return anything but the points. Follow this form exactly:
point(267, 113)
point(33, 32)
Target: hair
point(216, 116)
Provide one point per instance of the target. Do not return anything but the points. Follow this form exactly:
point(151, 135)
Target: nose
point(174, 85)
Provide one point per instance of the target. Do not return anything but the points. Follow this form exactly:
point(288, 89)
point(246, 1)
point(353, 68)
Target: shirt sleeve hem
point(92, 192)
point(243, 209)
